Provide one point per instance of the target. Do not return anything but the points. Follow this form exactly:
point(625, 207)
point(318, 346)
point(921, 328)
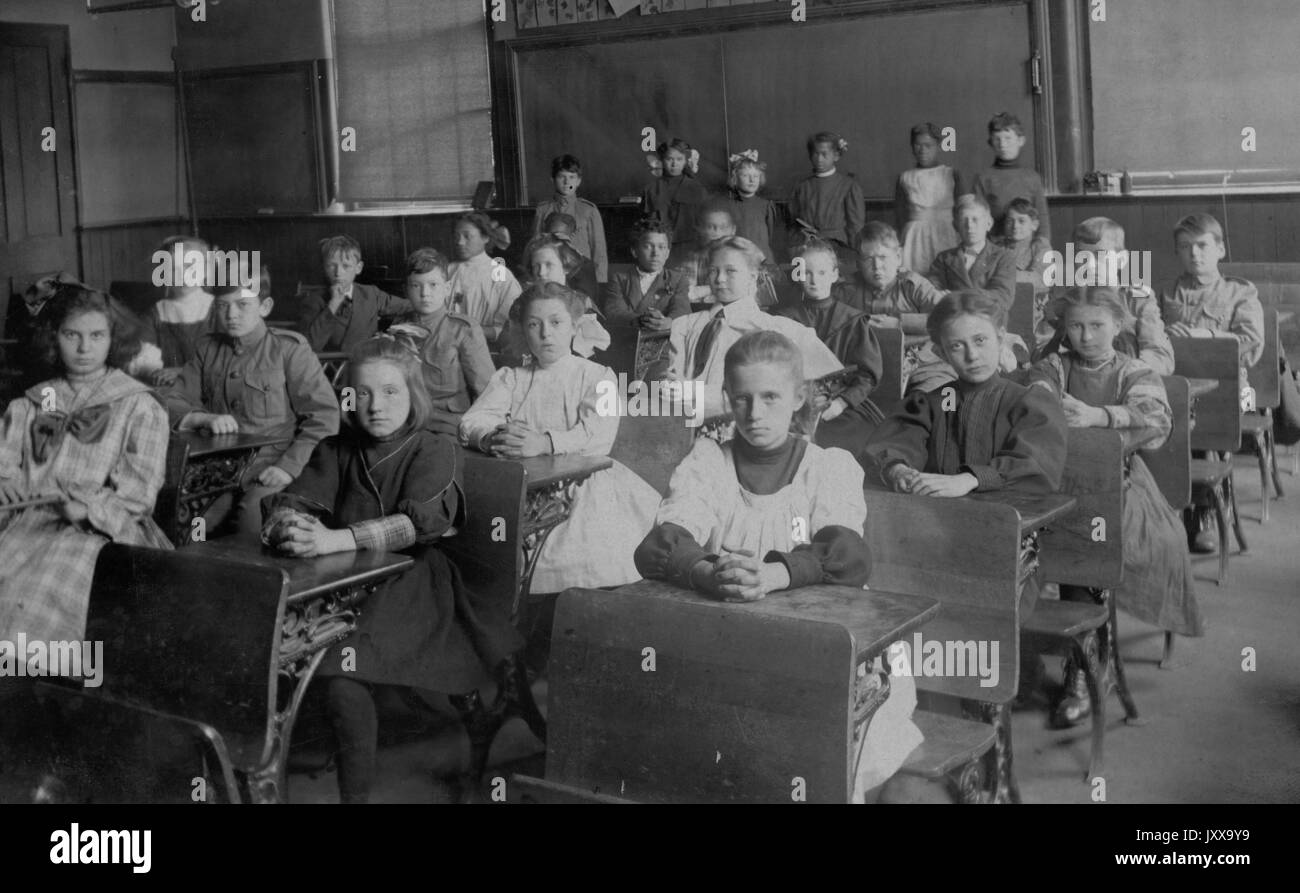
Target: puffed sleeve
point(489, 410)
point(431, 495)
point(687, 517)
point(864, 353)
point(313, 403)
point(13, 431)
point(905, 437)
point(594, 432)
point(137, 476)
point(1032, 459)
point(1144, 402)
point(838, 554)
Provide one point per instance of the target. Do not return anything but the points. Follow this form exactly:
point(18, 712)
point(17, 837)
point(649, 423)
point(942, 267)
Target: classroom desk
point(786, 670)
point(1037, 510)
point(321, 608)
point(553, 483)
point(1199, 387)
point(1134, 439)
point(203, 467)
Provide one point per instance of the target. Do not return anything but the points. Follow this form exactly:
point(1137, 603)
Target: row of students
point(1002, 436)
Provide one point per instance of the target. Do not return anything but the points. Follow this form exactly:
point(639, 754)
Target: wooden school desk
point(201, 468)
point(743, 702)
point(207, 653)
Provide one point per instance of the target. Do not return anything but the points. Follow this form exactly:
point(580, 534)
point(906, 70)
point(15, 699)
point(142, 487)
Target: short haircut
point(559, 218)
point(71, 299)
point(965, 303)
point(752, 253)
point(826, 136)
point(927, 129)
point(574, 301)
point(344, 245)
point(426, 260)
point(715, 206)
point(877, 232)
point(565, 164)
point(765, 347)
point(1022, 206)
point(970, 200)
point(1197, 225)
point(403, 353)
point(1095, 230)
point(650, 226)
point(1006, 121)
point(819, 246)
point(1106, 298)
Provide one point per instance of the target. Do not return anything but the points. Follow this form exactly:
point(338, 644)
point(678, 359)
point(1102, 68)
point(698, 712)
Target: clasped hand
point(304, 537)
point(908, 480)
point(518, 440)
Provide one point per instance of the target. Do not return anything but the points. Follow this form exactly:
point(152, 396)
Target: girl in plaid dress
point(89, 449)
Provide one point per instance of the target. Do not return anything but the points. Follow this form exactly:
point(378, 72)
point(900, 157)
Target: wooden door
point(38, 211)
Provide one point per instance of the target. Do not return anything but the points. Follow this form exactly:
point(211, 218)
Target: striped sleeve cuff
point(386, 534)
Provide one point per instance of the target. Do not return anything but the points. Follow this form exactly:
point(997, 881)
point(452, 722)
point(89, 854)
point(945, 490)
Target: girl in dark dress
point(386, 483)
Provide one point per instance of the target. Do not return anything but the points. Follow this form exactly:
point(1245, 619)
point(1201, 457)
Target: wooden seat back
point(488, 548)
point(888, 393)
point(1171, 463)
point(736, 705)
point(1020, 319)
point(1218, 413)
point(192, 636)
point(1086, 546)
point(964, 553)
point(653, 447)
point(1265, 376)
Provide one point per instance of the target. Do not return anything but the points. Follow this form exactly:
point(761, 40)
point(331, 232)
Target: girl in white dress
point(767, 512)
point(551, 406)
point(923, 201)
point(483, 289)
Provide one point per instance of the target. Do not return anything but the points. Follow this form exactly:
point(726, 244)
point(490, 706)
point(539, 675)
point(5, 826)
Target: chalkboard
point(254, 140)
point(1175, 82)
point(124, 129)
point(768, 88)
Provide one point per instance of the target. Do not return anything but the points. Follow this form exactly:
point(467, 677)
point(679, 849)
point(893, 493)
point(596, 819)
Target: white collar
point(829, 173)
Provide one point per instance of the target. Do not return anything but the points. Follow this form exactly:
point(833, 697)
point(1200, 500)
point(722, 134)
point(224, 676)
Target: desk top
point(1037, 510)
point(546, 470)
point(311, 577)
point(204, 444)
point(1199, 387)
point(873, 617)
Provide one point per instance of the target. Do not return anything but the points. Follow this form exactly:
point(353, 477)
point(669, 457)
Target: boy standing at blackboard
point(589, 237)
point(1006, 180)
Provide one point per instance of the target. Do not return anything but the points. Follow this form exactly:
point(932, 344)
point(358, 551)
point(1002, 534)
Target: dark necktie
point(705, 345)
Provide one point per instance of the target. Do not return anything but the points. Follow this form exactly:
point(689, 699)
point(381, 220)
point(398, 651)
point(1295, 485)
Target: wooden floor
point(1213, 732)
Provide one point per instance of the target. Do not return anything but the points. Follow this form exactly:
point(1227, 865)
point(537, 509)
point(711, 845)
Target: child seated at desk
point(1100, 387)
point(482, 288)
point(258, 380)
point(715, 223)
point(1020, 235)
point(548, 406)
point(895, 297)
point(93, 438)
point(457, 363)
point(548, 259)
point(850, 416)
point(976, 263)
point(1205, 304)
point(387, 483)
point(768, 512)
point(981, 433)
point(347, 313)
point(1144, 337)
point(698, 342)
point(648, 295)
